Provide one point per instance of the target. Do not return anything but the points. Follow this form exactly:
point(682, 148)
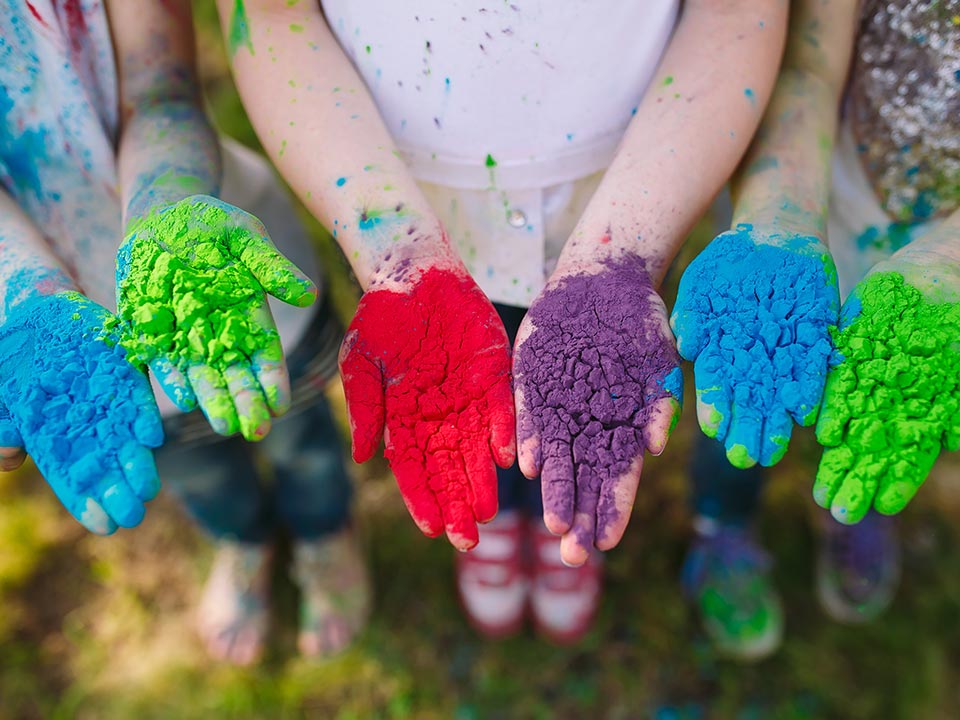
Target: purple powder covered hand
point(597, 382)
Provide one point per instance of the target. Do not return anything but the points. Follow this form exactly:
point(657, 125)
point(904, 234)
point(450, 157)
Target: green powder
point(892, 402)
point(191, 292)
point(239, 29)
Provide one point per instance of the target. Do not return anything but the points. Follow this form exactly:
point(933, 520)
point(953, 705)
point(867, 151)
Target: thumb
point(275, 273)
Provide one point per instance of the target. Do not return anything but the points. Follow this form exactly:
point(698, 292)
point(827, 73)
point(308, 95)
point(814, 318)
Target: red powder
point(433, 365)
point(33, 11)
point(76, 23)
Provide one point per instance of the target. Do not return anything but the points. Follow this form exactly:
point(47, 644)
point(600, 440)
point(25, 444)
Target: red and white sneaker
point(491, 580)
point(563, 600)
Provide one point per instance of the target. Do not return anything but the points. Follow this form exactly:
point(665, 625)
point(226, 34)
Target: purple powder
point(590, 373)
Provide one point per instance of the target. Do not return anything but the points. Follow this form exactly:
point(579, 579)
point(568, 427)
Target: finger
point(120, 502)
point(276, 275)
point(743, 439)
point(252, 412)
point(503, 427)
point(175, 384)
point(903, 479)
point(92, 516)
point(834, 412)
point(558, 486)
point(11, 458)
point(363, 390)
point(139, 470)
point(688, 325)
point(616, 504)
point(214, 398)
point(269, 365)
point(776, 437)
point(834, 464)
point(855, 495)
point(664, 416)
point(148, 425)
point(713, 401)
point(483, 482)
point(417, 495)
point(529, 453)
point(577, 542)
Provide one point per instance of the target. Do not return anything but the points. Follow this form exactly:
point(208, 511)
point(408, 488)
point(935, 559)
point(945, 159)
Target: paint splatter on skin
point(82, 411)
point(749, 94)
point(893, 401)
point(754, 314)
point(438, 392)
point(598, 381)
point(191, 280)
point(239, 35)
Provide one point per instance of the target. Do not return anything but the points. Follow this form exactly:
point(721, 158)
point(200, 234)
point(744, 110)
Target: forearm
point(167, 150)
point(27, 265)
point(689, 132)
point(784, 184)
point(323, 131)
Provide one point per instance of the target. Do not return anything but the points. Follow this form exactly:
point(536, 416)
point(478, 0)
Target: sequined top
point(904, 105)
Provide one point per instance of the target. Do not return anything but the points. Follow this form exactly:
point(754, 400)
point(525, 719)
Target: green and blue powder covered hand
point(86, 415)
point(754, 314)
point(191, 284)
point(893, 400)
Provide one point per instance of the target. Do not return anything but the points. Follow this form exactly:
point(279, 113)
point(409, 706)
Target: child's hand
point(190, 287)
point(597, 381)
point(754, 314)
point(427, 366)
point(894, 398)
point(83, 412)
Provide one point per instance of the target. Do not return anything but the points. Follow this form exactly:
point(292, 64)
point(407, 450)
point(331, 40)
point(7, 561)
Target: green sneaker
point(727, 575)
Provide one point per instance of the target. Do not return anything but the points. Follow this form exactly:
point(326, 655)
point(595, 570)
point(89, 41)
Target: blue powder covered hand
point(191, 284)
point(754, 314)
point(86, 415)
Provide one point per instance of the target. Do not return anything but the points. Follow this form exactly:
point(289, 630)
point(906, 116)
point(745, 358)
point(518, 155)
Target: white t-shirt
point(501, 109)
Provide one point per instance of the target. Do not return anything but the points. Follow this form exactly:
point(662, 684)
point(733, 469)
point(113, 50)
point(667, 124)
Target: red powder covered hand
point(429, 370)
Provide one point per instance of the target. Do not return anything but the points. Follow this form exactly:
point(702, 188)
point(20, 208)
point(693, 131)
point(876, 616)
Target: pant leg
point(311, 493)
point(516, 492)
point(720, 491)
point(218, 483)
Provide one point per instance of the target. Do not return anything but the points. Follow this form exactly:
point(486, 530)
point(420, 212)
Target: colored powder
point(20, 150)
point(85, 414)
point(755, 319)
point(239, 29)
point(891, 402)
point(490, 162)
point(190, 284)
point(590, 374)
point(433, 364)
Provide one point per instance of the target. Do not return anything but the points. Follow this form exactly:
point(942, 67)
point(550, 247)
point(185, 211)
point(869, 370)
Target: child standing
point(86, 138)
point(762, 358)
point(442, 140)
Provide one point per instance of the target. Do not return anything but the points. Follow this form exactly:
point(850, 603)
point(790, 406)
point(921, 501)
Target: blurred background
point(101, 627)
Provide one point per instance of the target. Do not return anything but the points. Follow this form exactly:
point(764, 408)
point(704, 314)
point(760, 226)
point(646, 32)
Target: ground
point(101, 627)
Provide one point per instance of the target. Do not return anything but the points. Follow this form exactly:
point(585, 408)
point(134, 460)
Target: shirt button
point(516, 218)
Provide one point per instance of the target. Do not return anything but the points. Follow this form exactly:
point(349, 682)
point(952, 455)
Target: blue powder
point(20, 150)
point(341, 182)
point(756, 321)
point(69, 396)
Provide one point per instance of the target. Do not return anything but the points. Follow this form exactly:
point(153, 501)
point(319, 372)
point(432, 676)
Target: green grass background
point(101, 627)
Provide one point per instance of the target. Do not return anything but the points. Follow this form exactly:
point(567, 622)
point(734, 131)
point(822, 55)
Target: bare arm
point(355, 182)
point(785, 181)
point(168, 151)
point(690, 130)
point(27, 265)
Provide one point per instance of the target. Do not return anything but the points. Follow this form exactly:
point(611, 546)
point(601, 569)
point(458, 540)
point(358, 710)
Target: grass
point(101, 627)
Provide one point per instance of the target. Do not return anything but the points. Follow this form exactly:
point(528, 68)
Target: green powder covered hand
point(892, 402)
point(191, 280)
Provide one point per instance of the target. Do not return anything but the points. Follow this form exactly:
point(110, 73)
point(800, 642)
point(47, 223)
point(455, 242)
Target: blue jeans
point(721, 491)
point(514, 490)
